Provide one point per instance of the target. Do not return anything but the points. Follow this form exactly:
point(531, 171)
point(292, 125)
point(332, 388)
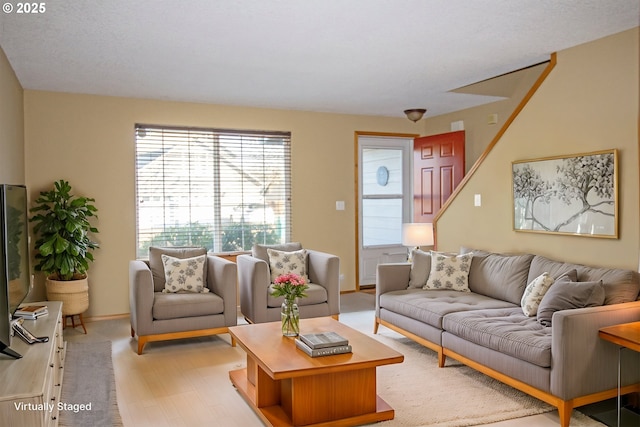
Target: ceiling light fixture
point(415, 114)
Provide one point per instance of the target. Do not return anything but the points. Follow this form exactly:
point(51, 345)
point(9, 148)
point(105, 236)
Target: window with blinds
point(221, 189)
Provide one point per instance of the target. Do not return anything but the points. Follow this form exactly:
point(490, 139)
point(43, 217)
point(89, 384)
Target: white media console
point(30, 387)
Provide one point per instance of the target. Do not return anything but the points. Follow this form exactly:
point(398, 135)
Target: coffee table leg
point(267, 390)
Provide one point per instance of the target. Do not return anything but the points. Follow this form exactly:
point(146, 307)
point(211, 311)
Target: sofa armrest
point(391, 277)
point(222, 280)
point(582, 362)
point(140, 297)
point(254, 281)
point(324, 270)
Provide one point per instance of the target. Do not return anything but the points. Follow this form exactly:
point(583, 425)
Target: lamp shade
point(417, 234)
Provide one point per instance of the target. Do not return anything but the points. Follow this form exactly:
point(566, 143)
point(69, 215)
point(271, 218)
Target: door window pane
point(381, 171)
point(381, 222)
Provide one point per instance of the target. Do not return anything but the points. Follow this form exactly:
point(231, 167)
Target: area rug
point(89, 387)
point(453, 396)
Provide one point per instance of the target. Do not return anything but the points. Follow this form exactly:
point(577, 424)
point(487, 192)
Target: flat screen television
point(15, 273)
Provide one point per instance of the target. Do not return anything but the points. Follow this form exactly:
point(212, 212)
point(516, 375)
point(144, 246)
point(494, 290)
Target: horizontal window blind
point(222, 189)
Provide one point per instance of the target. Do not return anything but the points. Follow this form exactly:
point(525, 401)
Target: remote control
point(27, 336)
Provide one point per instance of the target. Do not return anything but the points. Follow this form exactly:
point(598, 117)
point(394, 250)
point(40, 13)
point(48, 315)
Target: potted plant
point(63, 247)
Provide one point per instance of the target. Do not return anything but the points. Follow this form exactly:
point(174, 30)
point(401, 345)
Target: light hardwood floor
point(186, 382)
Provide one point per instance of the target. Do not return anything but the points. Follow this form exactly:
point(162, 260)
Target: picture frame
point(569, 195)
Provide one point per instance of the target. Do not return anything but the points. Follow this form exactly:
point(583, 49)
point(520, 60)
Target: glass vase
point(290, 318)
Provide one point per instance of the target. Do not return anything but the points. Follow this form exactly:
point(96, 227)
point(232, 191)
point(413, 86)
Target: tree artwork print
point(567, 195)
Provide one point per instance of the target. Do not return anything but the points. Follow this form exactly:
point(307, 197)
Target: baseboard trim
point(106, 317)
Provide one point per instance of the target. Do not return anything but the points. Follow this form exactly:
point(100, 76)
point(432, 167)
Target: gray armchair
point(254, 279)
point(159, 316)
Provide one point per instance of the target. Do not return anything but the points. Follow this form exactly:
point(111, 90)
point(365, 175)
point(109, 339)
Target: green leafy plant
point(62, 226)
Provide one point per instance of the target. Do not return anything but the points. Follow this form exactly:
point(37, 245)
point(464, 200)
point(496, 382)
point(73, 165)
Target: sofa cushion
point(506, 330)
point(157, 267)
point(430, 306)
point(187, 304)
point(534, 292)
point(420, 268)
point(500, 276)
point(316, 294)
point(449, 272)
point(282, 262)
point(620, 285)
point(566, 295)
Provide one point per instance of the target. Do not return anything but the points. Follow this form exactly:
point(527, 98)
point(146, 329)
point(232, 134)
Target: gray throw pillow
point(566, 294)
point(420, 268)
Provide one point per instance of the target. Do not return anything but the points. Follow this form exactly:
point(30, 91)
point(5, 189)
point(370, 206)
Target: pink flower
point(291, 278)
point(290, 286)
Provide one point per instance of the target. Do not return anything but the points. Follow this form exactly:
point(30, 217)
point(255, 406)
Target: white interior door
point(384, 186)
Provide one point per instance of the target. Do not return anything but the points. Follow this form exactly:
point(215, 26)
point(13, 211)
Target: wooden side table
point(626, 335)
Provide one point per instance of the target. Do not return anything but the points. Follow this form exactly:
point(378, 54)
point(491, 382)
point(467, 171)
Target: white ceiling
point(374, 57)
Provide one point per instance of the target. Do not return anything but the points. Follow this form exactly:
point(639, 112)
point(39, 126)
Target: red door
point(438, 167)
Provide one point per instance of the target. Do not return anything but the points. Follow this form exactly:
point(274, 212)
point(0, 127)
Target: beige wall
point(589, 102)
point(478, 132)
point(11, 125)
point(89, 141)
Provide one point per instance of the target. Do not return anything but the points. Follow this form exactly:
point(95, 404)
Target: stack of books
point(323, 344)
point(31, 312)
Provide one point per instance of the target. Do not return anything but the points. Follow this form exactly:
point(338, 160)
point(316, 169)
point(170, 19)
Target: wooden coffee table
point(285, 387)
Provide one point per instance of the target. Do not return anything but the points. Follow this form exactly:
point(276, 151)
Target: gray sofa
point(566, 364)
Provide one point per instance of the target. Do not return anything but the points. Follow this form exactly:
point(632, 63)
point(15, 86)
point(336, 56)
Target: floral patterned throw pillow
point(281, 262)
point(449, 272)
point(184, 274)
point(534, 292)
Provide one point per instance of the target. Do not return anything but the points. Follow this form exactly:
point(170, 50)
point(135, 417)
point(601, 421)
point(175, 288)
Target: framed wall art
point(571, 195)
